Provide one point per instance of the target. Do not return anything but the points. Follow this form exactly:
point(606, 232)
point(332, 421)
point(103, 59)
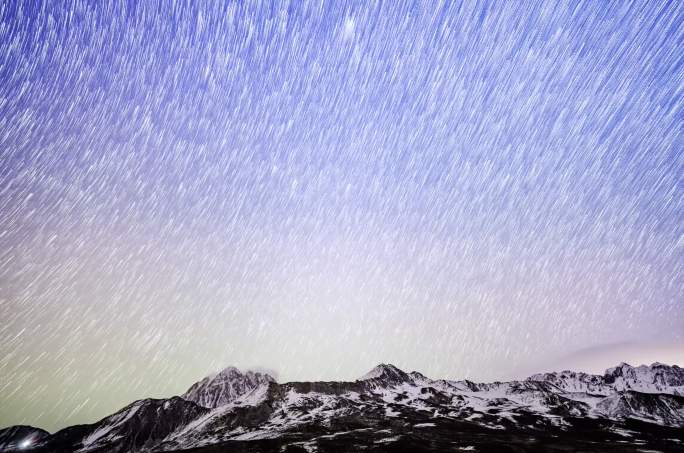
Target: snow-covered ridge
point(235, 405)
point(655, 378)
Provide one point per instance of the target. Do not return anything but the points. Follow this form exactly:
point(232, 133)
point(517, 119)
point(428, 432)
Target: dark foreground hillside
point(455, 436)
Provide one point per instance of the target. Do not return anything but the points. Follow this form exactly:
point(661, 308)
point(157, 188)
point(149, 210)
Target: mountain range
point(625, 409)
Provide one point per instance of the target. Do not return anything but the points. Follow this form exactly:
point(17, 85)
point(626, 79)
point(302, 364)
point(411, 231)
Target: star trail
point(465, 188)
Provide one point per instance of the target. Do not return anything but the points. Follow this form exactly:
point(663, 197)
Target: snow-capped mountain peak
point(386, 373)
point(225, 386)
point(622, 368)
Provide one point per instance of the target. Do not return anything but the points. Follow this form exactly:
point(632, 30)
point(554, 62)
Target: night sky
point(465, 189)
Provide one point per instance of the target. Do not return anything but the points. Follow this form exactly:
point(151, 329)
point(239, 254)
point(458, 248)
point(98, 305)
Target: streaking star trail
point(469, 189)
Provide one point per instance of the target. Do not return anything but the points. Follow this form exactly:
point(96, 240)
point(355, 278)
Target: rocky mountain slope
point(626, 409)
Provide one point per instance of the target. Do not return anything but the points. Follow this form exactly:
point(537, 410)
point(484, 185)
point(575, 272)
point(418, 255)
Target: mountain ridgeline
point(626, 409)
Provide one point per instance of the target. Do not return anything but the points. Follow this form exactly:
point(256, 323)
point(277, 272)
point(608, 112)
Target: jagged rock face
point(225, 387)
point(657, 378)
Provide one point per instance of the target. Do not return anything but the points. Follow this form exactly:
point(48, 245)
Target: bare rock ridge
point(388, 409)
